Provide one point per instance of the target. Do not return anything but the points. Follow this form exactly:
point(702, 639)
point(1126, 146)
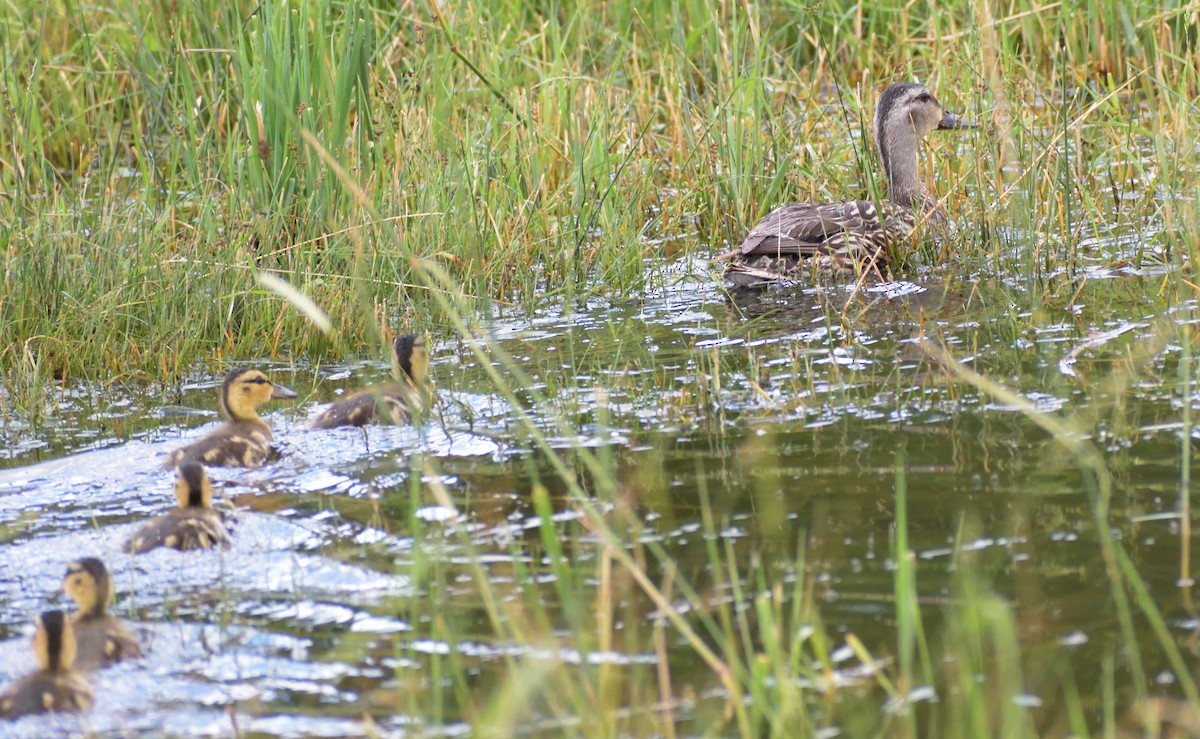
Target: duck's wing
point(44, 692)
point(807, 229)
point(354, 410)
point(200, 530)
point(119, 641)
point(385, 404)
point(103, 641)
point(243, 444)
point(181, 529)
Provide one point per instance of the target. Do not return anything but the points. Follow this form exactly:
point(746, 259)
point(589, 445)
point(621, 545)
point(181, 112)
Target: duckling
point(101, 639)
point(193, 525)
point(56, 687)
point(245, 440)
point(841, 237)
point(392, 402)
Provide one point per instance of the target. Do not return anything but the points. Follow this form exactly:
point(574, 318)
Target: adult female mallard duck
point(193, 525)
point(56, 686)
point(389, 403)
point(842, 237)
point(245, 439)
point(100, 639)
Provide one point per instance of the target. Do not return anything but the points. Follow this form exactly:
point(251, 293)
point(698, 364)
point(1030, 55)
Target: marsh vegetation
point(957, 503)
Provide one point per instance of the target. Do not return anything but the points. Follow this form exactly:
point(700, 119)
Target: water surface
point(780, 414)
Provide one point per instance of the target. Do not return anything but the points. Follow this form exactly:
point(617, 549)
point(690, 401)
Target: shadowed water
point(779, 414)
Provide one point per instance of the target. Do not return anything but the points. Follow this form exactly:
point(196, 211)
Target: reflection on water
point(784, 409)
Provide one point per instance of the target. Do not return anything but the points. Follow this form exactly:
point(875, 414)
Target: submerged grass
point(181, 175)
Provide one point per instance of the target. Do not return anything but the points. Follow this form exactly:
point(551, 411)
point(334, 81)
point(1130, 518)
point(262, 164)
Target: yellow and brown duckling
point(245, 439)
point(56, 687)
point(193, 525)
point(393, 402)
point(100, 639)
point(830, 238)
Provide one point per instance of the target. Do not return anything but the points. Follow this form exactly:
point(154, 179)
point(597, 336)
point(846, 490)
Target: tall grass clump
point(530, 151)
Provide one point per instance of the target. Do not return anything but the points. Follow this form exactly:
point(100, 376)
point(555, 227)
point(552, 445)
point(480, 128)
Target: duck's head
point(192, 488)
point(88, 583)
point(412, 357)
point(244, 390)
point(54, 641)
point(907, 112)
point(909, 107)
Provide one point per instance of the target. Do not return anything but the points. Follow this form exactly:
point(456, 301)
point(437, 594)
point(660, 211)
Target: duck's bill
point(282, 392)
point(949, 121)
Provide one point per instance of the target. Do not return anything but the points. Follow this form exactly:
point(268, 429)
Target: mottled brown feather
point(388, 403)
point(184, 529)
point(385, 404)
point(103, 641)
point(46, 692)
point(236, 444)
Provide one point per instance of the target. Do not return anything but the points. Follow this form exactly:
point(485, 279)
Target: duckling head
point(54, 641)
point(412, 357)
point(88, 583)
point(192, 488)
point(244, 390)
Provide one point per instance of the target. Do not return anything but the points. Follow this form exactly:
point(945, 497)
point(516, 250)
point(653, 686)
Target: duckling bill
point(832, 238)
point(100, 639)
point(193, 525)
point(245, 439)
point(390, 403)
point(56, 686)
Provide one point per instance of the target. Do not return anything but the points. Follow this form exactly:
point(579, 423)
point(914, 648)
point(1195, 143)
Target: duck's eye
point(924, 98)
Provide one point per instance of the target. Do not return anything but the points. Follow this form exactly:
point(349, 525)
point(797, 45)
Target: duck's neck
point(897, 143)
point(240, 413)
point(96, 607)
